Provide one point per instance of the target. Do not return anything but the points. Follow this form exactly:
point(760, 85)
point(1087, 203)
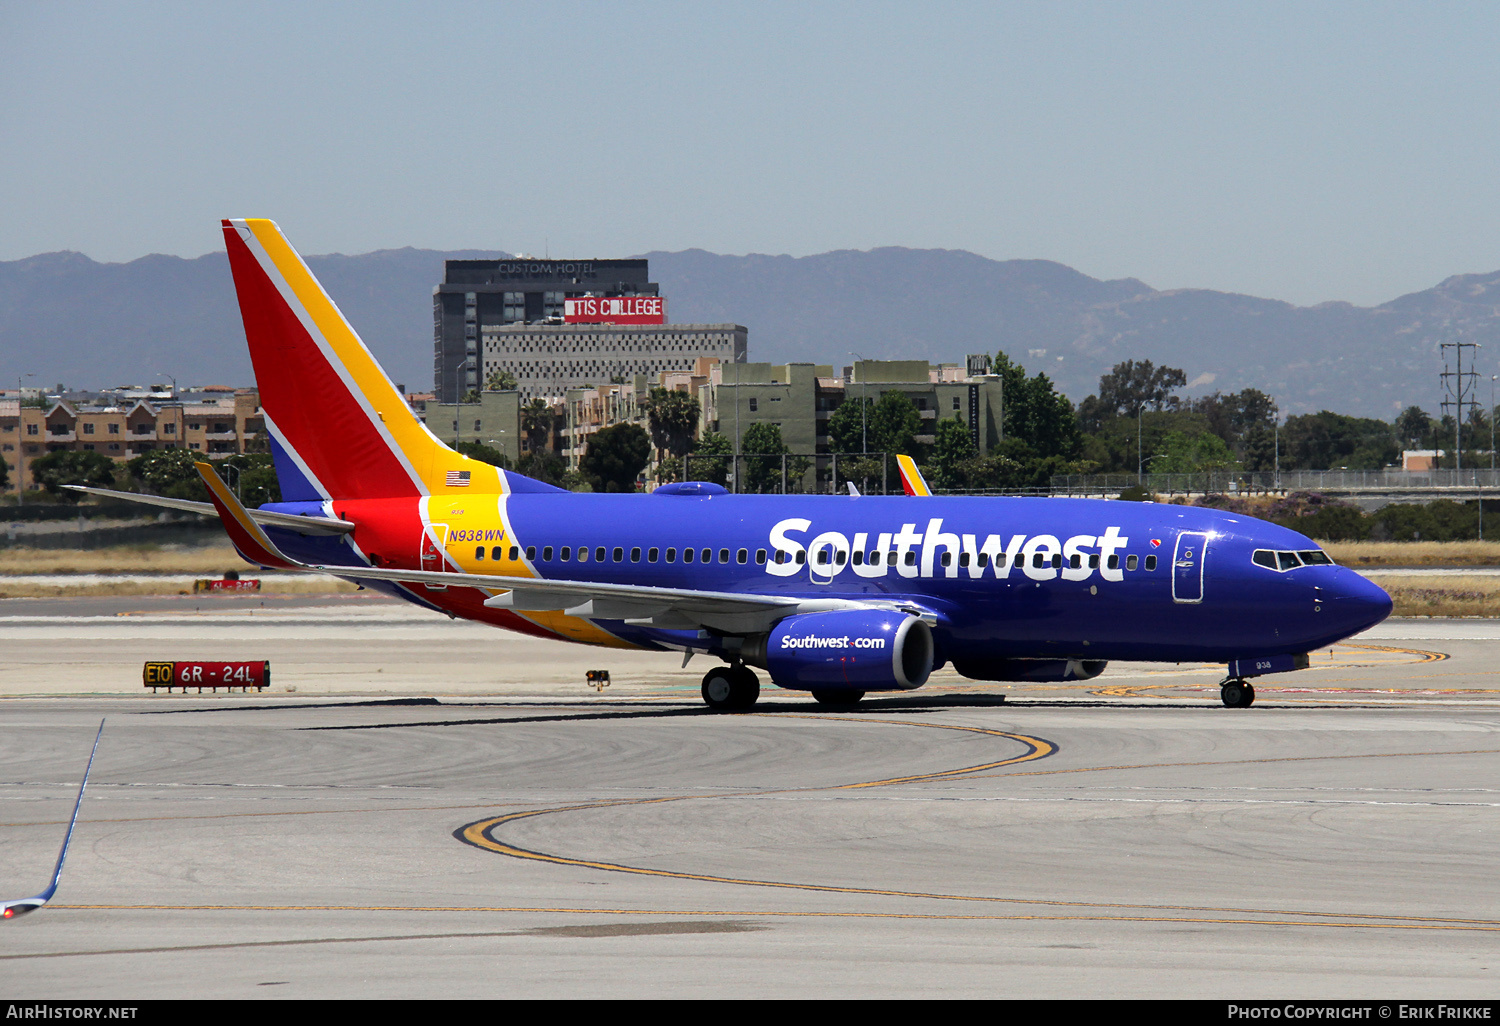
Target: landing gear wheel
point(1237, 694)
point(837, 699)
point(730, 688)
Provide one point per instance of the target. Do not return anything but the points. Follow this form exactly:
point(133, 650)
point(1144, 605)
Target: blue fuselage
point(1003, 577)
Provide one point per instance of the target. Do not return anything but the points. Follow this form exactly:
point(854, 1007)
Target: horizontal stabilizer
point(291, 521)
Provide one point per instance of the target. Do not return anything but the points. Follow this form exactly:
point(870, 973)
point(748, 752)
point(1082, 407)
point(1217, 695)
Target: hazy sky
point(1301, 151)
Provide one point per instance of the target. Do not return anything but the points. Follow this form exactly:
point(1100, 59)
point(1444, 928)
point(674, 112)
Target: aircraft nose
point(1356, 602)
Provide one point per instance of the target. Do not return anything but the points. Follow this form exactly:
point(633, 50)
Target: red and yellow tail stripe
point(325, 397)
point(912, 482)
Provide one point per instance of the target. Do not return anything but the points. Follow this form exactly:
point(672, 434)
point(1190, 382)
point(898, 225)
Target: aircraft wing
point(302, 525)
point(668, 608)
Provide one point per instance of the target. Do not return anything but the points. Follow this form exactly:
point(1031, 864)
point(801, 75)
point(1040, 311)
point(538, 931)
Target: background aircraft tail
point(339, 429)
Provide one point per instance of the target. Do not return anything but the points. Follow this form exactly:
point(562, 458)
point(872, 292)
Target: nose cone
point(1355, 603)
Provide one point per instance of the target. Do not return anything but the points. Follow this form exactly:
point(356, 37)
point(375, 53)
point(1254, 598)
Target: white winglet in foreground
point(11, 909)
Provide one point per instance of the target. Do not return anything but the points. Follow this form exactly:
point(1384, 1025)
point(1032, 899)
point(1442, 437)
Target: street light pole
point(20, 444)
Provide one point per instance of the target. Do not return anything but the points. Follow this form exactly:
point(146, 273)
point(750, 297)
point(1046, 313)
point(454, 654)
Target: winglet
point(249, 539)
point(11, 909)
point(911, 478)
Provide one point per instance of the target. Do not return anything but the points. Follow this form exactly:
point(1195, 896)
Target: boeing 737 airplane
point(833, 595)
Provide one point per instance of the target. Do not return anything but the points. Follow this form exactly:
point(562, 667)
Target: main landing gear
point(1237, 693)
point(730, 688)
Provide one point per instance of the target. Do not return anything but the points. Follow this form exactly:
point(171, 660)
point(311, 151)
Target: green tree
point(1415, 429)
point(764, 449)
point(848, 426)
point(1330, 441)
point(544, 466)
point(500, 381)
point(953, 448)
point(170, 472)
point(1189, 454)
point(895, 423)
point(536, 424)
point(711, 459)
point(56, 469)
point(1036, 413)
point(254, 478)
point(1232, 417)
point(673, 417)
point(1129, 387)
point(615, 457)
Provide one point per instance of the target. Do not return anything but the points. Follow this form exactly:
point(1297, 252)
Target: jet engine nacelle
point(853, 649)
point(1030, 669)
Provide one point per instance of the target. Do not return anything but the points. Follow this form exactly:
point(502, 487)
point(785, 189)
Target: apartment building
point(217, 425)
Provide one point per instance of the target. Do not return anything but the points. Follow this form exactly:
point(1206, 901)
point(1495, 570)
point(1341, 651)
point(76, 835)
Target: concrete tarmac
point(445, 810)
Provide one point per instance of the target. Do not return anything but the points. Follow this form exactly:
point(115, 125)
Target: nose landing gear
point(730, 688)
point(1237, 693)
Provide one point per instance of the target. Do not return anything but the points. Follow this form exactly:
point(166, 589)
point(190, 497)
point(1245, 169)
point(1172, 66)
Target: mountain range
point(70, 320)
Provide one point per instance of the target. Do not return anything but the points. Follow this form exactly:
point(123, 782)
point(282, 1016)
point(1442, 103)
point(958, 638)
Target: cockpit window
point(1273, 560)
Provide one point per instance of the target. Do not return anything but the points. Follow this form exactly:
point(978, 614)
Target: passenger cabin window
point(671, 555)
point(743, 556)
point(547, 553)
point(687, 555)
point(619, 554)
point(567, 553)
point(1131, 562)
point(531, 552)
point(515, 553)
point(1150, 562)
point(635, 555)
point(599, 554)
point(707, 556)
point(652, 555)
point(760, 556)
point(583, 553)
point(479, 552)
point(723, 555)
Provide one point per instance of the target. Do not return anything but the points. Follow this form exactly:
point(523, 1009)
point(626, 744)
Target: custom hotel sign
point(615, 310)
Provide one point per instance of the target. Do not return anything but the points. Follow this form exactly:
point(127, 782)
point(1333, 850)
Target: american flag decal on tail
point(458, 479)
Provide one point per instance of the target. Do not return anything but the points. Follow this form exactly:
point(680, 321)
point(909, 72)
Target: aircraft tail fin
point(339, 428)
point(912, 482)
